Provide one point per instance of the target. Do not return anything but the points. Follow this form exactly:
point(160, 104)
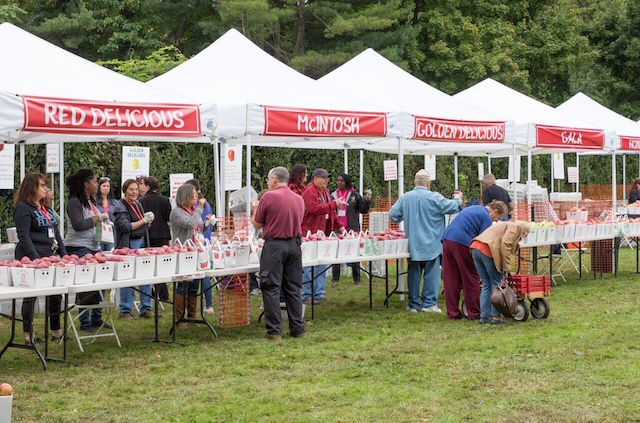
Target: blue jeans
point(105, 247)
point(192, 287)
point(431, 269)
point(318, 283)
point(128, 295)
point(208, 297)
point(490, 278)
point(94, 316)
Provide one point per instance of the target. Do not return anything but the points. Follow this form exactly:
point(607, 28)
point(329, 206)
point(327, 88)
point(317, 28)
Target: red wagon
point(535, 289)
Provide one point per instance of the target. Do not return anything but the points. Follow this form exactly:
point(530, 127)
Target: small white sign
point(572, 172)
point(232, 167)
point(176, 180)
point(558, 166)
point(390, 170)
point(480, 171)
point(514, 169)
point(430, 165)
point(135, 162)
point(53, 158)
point(7, 165)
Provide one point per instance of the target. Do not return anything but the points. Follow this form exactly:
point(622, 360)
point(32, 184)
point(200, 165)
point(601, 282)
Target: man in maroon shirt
point(279, 214)
point(319, 215)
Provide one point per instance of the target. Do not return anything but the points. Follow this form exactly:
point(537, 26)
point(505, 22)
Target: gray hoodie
point(183, 224)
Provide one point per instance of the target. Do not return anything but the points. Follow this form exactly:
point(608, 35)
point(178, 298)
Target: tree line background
point(548, 49)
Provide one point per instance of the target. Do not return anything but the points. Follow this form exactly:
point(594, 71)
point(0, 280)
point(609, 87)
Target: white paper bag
point(124, 270)
point(23, 277)
point(145, 267)
point(327, 248)
point(104, 272)
point(85, 274)
point(204, 255)
point(188, 261)
point(166, 264)
point(65, 275)
point(349, 246)
point(5, 276)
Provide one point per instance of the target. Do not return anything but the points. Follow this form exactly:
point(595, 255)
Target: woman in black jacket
point(131, 230)
point(38, 236)
point(349, 216)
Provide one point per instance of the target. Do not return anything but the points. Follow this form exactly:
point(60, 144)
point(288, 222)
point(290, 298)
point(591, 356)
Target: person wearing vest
point(349, 215)
point(132, 224)
point(186, 224)
point(83, 216)
point(319, 215)
point(38, 236)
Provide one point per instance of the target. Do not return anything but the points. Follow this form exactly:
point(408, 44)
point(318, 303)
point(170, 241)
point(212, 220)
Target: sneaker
point(255, 291)
point(126, 316)
point(273, 336)
point(299, 335)
point(432, 309)
point(411, 310)
point(307, 301)
point(208, 310)
point(484, 320)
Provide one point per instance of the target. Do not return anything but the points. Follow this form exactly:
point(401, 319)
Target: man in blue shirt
point(423, 213)
point(458, 270)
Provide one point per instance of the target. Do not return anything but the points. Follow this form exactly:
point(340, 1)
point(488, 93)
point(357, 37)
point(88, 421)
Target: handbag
point(504, 298)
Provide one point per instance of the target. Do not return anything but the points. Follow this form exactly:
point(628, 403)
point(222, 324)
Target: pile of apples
point(153, 251)
point(390, 234)
point(55, 261)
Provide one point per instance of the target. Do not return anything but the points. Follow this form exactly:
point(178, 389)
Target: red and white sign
point(630, 143)
point(433, 129)
point(569, 138)
point(280, 121)
point(65, 116)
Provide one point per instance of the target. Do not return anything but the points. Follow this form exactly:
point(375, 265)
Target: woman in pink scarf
point(348, 214)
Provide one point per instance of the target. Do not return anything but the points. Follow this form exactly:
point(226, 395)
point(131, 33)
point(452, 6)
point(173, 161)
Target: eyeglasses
point(267, 178)
point(104, 179)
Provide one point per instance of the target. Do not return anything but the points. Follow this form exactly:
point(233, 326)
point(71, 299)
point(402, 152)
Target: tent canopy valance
point(48, 95)
point(263, 101)
point(539, 127)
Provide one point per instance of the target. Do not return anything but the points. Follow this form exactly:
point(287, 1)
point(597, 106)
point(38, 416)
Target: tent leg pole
point(400, 192)
point(61, 190)
point(248, 210)
point(22, 162)
point(361, 176)
point(529, 166)
point(346, 160)
point(624, 177)
point(515, 178)
point(578, 166)
point(216, 177)
point(455, 170)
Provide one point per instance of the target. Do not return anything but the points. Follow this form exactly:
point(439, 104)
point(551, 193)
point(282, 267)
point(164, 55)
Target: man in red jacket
point(319, 215)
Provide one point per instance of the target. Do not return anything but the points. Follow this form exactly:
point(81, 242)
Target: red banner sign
point(280, 121)
point(569, 138)
point(64, 116)
point(461, 131)
point(630, 143)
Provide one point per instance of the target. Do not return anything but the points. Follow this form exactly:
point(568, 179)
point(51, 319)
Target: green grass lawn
point(356, 364)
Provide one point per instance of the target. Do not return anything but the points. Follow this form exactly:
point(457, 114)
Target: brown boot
point(179, 299)
point(192, 306)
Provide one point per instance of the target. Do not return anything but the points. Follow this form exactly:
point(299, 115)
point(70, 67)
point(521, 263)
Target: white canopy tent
point(261, 101)
point(627, 130)
point(540, 127)
point(48, 95)
point(440, 124)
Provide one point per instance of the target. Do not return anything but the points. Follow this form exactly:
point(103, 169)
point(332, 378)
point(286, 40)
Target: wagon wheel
point(522, 313)
point(539, 308)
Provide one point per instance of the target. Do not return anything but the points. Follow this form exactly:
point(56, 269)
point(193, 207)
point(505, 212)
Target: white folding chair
point(108, 306)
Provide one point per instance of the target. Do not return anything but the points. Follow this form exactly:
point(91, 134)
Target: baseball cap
point(321, 173)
